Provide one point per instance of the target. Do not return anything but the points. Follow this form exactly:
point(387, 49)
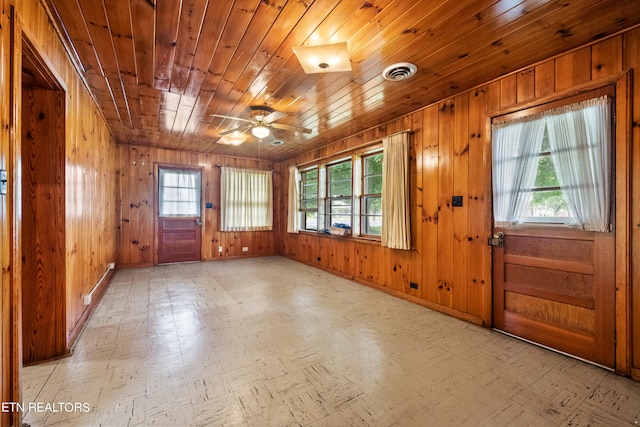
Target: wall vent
point(399, 71)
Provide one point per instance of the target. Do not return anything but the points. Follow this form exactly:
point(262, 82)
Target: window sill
point(359, 239)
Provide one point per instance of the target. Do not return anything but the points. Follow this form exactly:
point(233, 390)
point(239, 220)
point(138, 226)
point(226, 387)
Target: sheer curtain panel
point(580, 140)
point(396, 219)
point(246, 199)
point(294, 200)
point(178, 192)
point(515, 162)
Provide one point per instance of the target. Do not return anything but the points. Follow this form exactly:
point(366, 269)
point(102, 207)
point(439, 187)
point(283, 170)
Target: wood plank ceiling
point(159, 69)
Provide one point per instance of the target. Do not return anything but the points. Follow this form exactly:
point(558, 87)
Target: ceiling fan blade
point(291, 128)
point(232, 118)
point(273, 116)
point(238, 129)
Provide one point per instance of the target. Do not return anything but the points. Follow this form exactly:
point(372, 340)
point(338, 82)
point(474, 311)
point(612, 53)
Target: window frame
point(364, 196)
point(305, 211)
point(356, 199)
point(328, 214)
point(198, 190)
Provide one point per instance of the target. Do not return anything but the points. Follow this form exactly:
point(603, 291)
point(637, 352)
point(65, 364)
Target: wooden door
point(179, 240)
point(555, 286)
point(179, 213)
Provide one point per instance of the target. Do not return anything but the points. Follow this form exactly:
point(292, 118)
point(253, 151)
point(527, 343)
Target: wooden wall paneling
point(460, 170)
point(508, 90)
point(494, 96)
point(444, 251)
point(143, 207)
point(209, 248)
point(139, 197)
point(606, 58)
point(417, 186)
point(632, 61)
point(573, 69)
point(526, 85)
point(624, 188)
point(124, 228)
point(10, 250)
point(479, 225)
point(545, 78)
point(430, 146)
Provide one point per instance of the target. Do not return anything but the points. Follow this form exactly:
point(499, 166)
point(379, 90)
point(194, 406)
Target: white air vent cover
point(399, 71)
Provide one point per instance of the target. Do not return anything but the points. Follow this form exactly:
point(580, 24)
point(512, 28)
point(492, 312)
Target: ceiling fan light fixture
point(260, 132)
point(236, 138)
point(328, 58)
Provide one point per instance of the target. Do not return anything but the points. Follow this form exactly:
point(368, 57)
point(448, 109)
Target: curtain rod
point(238, 167)
point(356, 148)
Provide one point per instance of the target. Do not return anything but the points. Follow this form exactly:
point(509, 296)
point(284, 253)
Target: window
point(371, 205)
point(309, 199)
point(547, 201)
point(339, 194)
point(246, 199)
point(555, 166)
point(179, 192)
point(345, 192)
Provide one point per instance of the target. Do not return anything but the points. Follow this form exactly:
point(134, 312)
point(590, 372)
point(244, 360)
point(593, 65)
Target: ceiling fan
point(260, 120)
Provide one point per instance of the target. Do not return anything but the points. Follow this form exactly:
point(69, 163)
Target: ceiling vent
point(277, 142)
point(399, 71)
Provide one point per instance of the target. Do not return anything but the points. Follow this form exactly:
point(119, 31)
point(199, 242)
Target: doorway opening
point(42, 133)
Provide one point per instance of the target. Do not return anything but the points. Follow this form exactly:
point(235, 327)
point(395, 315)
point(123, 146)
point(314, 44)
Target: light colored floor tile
point(272, 342)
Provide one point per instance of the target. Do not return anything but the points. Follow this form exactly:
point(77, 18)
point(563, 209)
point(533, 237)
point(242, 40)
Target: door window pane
point(179, 192)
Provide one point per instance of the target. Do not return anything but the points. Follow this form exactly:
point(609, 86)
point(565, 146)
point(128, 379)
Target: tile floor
point(272, 342)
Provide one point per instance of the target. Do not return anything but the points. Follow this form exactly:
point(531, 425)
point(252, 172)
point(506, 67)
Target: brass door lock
point(497, 239)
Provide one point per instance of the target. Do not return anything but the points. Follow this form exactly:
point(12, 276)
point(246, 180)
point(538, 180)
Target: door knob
point(497, 239)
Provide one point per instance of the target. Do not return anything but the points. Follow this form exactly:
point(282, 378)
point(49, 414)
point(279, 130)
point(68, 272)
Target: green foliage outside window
point(547, 200)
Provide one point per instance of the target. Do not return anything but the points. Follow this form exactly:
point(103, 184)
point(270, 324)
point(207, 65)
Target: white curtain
point(516, 146)
point(580, 140)
point(246, 199)
point(179, 192)
point(396, 218)
point(293, 216)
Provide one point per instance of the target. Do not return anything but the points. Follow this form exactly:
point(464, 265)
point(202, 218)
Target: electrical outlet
point(112, 265)
point(245, 249)
point(87, 299)
point(220, 249)
point(413, 285)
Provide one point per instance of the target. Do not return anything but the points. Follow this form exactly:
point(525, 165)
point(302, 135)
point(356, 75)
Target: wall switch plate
point(220, 249)
point(456, 201)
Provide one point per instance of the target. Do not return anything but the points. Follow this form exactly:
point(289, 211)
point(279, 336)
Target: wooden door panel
point(178, 240)
point(555, 286)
